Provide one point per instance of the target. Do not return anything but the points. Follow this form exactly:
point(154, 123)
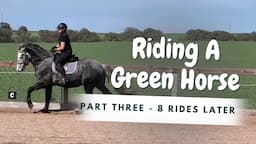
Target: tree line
point(23, 35)
point(204, 35)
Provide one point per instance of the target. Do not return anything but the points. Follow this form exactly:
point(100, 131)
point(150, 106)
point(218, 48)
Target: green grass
point(233, 55)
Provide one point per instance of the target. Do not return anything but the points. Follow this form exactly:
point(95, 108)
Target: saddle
point(73, 58)
point(70, 65)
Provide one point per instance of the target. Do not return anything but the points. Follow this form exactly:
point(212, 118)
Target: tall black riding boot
point(61, 70)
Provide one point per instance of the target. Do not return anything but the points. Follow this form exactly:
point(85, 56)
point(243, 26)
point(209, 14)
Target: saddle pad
point(69, 68)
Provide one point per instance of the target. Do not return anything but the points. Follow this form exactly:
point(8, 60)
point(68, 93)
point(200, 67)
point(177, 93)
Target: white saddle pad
point(69, 68)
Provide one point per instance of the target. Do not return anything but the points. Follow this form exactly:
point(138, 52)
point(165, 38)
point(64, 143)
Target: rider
point(65, 49)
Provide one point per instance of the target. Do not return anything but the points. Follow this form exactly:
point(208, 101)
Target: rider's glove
point(53, 50)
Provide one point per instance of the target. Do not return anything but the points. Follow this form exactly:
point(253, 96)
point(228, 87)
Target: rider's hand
point(53, 49)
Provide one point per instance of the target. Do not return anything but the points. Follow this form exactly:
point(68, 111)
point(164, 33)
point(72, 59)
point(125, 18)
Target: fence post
point(65, 95)
point(64, 99)
point(175, 87)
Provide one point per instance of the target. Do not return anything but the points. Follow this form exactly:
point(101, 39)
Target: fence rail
point(240, 71)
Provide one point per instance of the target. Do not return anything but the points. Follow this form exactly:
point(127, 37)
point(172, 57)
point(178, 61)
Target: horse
point(89, 73)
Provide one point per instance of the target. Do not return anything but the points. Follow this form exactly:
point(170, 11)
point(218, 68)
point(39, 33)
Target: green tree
point(23, 35)
point(244, 37)
point(5, 32)
point(48, 36)
point(112, 37)
point(5, 25)
point(199, 35)
point(86, 36)
point(223, 36)
point(130, 33)
point(153, 33)
point(73, 35)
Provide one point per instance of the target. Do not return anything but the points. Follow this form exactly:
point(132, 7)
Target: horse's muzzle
point(19, 69)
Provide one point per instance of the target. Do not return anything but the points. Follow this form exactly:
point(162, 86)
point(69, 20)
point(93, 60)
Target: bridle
point(23, 58)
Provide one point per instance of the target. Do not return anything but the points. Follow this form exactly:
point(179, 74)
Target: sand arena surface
point(23, 126)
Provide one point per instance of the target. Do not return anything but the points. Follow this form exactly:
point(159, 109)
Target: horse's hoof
point(44, 111)
point(30, 105)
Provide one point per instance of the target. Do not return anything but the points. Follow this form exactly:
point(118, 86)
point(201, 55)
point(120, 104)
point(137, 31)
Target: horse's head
point(30, 53)
point(23, 58)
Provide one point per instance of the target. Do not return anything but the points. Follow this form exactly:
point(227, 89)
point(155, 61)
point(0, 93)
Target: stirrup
point(64, 80)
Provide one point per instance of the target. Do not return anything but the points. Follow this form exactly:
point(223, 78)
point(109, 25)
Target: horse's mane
point(36, 49)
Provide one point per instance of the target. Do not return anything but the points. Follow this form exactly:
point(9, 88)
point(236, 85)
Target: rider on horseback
point(65, 50)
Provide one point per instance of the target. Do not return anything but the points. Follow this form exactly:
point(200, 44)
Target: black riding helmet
point(62, 26)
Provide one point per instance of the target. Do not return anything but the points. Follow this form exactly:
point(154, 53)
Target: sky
point(170, 16)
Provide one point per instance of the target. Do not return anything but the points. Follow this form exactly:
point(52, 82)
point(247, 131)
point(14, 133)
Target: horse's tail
point(108, 70)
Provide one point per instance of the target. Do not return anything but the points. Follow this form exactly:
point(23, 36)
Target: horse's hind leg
point(103, 89)
point(88, 89)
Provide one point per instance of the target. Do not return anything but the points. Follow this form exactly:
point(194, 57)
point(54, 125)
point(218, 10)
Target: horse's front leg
point(34, 87)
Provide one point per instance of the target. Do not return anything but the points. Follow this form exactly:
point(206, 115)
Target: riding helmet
point(62, 26)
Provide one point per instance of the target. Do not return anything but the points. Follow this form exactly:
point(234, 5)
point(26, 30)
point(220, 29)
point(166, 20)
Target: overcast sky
point(115, 15)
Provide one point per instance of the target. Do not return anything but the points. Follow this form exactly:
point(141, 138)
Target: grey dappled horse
point(89, 73)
